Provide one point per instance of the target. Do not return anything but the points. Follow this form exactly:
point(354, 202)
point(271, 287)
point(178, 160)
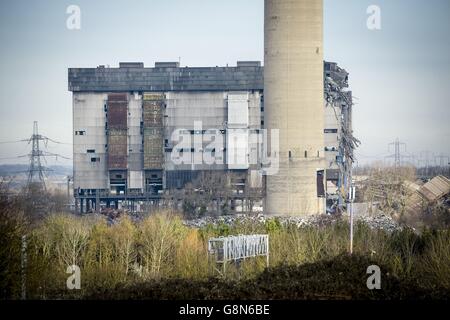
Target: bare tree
point(208, 194)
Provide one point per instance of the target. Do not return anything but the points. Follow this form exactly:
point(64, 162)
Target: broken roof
point(435, 189)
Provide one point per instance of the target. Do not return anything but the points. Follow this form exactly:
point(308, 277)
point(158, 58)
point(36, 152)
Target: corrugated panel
point(117, 162)
point(117, 130)
point(153, 118)
point(153, 96)
point(153, 113)
point(117, 114)
point(153, 148)
point(117, 149)
point(435, 188)
point(162, 79)
point(117, 97)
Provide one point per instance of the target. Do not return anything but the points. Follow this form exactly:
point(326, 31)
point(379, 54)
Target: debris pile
point(379, 221)
point(228, 219)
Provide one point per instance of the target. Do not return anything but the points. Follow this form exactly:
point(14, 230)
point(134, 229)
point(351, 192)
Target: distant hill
point(21, 169)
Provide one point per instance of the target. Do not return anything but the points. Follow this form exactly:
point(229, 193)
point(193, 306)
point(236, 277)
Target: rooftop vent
point(167, 64)
point(249, 63)
point(131, 64)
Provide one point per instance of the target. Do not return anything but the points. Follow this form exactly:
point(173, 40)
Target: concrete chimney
point(293, 103)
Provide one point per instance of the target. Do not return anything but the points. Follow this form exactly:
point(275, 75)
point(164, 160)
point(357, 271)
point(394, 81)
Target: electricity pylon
point(36, 170)
point(397, 153)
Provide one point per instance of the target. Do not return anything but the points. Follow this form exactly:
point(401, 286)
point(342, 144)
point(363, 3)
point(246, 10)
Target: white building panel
point(238, 110)
point(237, 149)
point(254, 110)
point(135, 147)
point(89, 141)
point(135, 179)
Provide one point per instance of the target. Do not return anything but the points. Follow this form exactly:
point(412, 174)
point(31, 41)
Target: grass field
point(160, 258)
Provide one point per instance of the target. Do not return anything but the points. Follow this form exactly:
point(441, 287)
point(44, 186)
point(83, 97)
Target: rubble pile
point(228, 219)
point(379, 221)
point(316, 220)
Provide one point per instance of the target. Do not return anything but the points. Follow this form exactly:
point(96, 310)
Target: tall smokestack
point(293, 103)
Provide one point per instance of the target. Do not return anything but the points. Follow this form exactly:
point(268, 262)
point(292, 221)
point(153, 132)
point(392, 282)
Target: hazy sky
point(400, 75)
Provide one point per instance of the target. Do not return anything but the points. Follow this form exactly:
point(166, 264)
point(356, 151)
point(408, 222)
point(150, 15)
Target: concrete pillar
point(293, 103)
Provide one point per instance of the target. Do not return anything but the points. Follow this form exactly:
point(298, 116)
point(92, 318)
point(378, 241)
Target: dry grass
point(162, 248)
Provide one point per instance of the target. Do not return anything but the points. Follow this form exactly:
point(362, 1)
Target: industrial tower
point(293, 102)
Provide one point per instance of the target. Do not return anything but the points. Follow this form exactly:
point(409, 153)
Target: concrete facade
point(89, 141)
point(236, 107)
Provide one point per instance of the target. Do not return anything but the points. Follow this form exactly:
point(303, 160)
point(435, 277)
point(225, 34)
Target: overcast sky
point(400, 75)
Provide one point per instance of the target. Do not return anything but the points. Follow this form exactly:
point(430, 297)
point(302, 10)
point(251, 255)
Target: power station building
point(139, 132)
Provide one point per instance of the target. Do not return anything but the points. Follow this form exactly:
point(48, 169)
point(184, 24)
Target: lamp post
point(351, 198)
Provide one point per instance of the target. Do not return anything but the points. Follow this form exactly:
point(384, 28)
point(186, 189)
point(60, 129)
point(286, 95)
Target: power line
point(46, 139)
point(14, 141)
point(16, 157)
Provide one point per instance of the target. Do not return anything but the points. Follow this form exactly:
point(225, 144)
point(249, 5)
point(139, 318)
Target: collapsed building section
point(339, 140)
point(128, 121)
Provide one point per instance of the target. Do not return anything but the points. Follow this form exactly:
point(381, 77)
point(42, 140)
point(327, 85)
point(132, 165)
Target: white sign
point(352, 193)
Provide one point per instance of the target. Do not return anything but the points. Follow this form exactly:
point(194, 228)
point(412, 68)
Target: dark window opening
point(306, 154)
point(320, 184)
point(330, 130)
point(95, 159)
point(80, 133)
point(90, 150)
